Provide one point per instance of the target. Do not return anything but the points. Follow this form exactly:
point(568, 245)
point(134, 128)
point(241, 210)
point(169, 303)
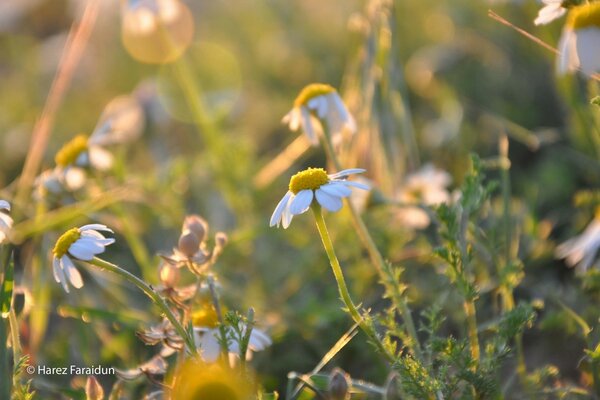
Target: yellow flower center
point(312, 90)
point(312, 178)
point(584, 16)
point(65, 241)
point(68, 154)
point(597, 213)
point(205, 317)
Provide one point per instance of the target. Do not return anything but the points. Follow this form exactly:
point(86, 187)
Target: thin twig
point(74, 47)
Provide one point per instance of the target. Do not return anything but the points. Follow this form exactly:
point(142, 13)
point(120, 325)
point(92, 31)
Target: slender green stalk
point(383, 269)
point(341, 282)
point(14, 335)
point(5, 369)
point(222, 330)
point(508, 300)
point(469, 301)
point(155, 297)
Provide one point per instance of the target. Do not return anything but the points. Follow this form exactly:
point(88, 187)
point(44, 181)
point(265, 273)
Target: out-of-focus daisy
point(82, 243)
point(198, 380)
point(121, 121)
point(316, 104)
point(553, 9)
point(207, 336)
point(156, 31)
point(579, 44)
point(581, 250)
point(428, 186)
point(314, 184)
point(6, 221)
point(82, 151)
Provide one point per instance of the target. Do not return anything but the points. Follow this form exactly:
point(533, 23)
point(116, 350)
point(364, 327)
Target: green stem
point(155, 297)
point(5, 369)
point(508, 300)
point(383, 269)
point(222, 330)
point(14, 335)
point(341, 282)
point(469, 301)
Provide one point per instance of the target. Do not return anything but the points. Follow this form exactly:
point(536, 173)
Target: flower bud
point(93, 389)
point(197, 225)
point(339, 385)
point(188, 244)
point(392, 387)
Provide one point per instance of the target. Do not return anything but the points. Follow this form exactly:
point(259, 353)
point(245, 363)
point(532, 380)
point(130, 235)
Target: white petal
point(57, 270)
point(301, 202)
point(307, 126)
point(4, 205)
point(81, 251)
point(319, 104)
point(259, 340)
point(292, 119)
point(61, 274)
point(336, 188)
point(74, 178)
point(89, 243)
point(276, 217)
point(72, 273)
point(331, 203)
point(567, 60)
point(588, 49)
point(347, 172)
point(96, 227)
point(210, 347)
point(287, 216)
point(358, 185)
point(99, 158)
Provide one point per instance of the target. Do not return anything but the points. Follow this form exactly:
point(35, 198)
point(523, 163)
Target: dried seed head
point(392, 387)
point(188, 244)
point(169, 274)
point(339, 385)
point(197, 225)
point(93, 389)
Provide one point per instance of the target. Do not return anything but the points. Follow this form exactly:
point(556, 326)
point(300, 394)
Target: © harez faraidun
point(299, 199)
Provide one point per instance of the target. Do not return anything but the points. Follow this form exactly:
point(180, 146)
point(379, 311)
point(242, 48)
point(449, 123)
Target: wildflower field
point(299, 199)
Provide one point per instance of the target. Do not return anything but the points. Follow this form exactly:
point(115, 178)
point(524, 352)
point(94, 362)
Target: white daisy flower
point(428, 186)
point(156, 31)
point(316, 104)
point(6, 222)
point(311, 184)
point(581, 250)
point(552, 10)
point(83, 244)
point(579, 44)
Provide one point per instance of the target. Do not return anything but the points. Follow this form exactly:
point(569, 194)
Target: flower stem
point(155, 297)
point(384, 270)
point(341, 282)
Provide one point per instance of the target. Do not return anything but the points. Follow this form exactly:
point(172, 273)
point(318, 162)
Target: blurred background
point(428, 81)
